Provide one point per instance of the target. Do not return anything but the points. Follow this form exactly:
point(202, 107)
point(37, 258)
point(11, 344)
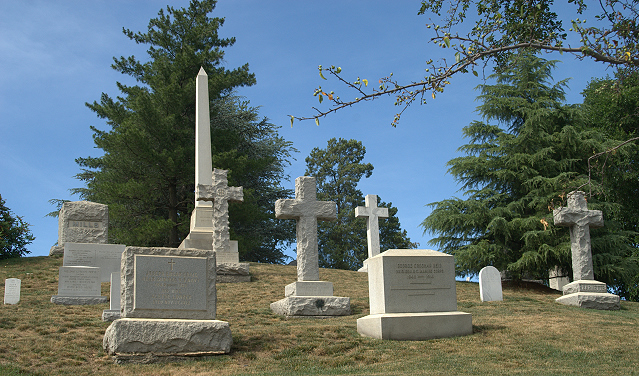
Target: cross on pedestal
point(372, 214)
point(577, 216)
point(306, 210)
point(220, 193)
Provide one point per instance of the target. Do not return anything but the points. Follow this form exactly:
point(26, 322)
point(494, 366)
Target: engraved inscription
point(418, 279)
point(163, 282)
point(592, 288)
point(85, 224)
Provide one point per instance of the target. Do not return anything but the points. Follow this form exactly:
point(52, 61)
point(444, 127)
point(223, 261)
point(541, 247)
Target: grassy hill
point(527, 333)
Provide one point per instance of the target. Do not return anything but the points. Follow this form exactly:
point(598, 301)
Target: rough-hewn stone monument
point(372, 214)
point(226, 254)
point(168, 304)
point(584, 291)
point(308, 296)
point(81, 222)
point(490, 284)
point(412, 296)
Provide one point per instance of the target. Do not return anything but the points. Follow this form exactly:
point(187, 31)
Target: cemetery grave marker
point(104, 256)
point(81, 222)
point(490, 284)
point(79, 285)
point(168, 304)
point(12, 290)
point(584, 291)
point(412, 296)
point(308, 296)
point(372, 214)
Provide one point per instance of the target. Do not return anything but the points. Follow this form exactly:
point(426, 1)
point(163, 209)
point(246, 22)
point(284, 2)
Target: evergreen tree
point(14, 234)
point(513, 177)
point(146, 174)
point(338, 169)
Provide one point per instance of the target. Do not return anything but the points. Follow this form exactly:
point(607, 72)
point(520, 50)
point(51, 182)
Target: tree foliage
point(338, 169)
point(477, 32)
point(146, 174)
point(510, 175)
point(14, 234)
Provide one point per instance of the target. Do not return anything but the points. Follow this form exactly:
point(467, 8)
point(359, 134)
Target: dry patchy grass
point(527, 333)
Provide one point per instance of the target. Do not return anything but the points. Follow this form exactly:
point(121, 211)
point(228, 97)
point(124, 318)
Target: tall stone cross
point(220, 193)
point(372, 214)
point(577, 216)
point(306, 210)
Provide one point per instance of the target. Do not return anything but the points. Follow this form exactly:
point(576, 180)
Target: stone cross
point(220, 193)
point(577, 216)
point(306, 210)
point(372, 213)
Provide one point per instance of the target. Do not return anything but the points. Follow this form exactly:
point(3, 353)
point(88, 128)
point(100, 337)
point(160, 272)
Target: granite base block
point(79, 300)
point(172, 336)
point(591, 300)
point(309, 288)
point(415, 326)
point(232, 272)
point(319, 306)
point(109, 315)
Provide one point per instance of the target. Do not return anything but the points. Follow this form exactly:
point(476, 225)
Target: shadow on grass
point(484, 329)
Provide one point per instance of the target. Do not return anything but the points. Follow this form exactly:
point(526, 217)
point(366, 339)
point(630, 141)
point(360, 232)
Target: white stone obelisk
point(201, 234)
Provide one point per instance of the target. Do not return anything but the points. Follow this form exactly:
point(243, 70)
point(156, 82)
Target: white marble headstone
point(490, 284)
point(11, 291)
point(79, 281)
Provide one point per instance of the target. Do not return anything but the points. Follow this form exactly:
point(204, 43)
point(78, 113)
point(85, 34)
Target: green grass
point(528, 333)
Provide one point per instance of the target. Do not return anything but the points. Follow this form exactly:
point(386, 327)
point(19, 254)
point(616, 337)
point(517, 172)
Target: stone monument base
point(309, 288)
point(232, 272)
point(312, 306)
point(78, 300)
point(109, 315)
point(415, 326)
point(364, 269)
point(170, 336)
point(589, 294)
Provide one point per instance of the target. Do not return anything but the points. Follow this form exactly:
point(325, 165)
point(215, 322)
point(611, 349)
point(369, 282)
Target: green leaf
point(338, 70)
point(365, 81)
point(321, 75)
point(447, 41)
point(317, 121)
point(321, 98)
point(475, 73)
point(457, 57)
point(292, 118)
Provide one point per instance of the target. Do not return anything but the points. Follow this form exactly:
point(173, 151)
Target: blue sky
point(56, 55)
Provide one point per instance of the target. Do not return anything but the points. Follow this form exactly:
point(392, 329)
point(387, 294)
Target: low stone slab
point(129, 336)
point(78, 300)
point(309, 288)
point(314, 306)
point(589, 294)
point(415, 326)
point(232, 272)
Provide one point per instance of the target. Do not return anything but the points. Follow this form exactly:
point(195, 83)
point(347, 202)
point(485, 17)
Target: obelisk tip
point(202, 72)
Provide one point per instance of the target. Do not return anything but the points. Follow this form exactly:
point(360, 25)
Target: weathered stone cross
point(577, 216)
point(372, 213)
point(220, 193)
point(306, 210)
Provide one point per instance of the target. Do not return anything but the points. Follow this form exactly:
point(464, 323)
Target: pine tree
point(514, 176)
point(338, 169)
point(146, 174)
point(14, 234)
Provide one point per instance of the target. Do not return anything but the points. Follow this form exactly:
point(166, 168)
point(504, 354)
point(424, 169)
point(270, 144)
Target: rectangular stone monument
point(308, 296)
point(584, 291)
point(113, 313)
point(81, 222)
point(168, 302)
point(557, 278)
point(12, 291)
point(104, 256)
point(413, 297)
point(490, 285)
point(372, 214)
point(79, 285)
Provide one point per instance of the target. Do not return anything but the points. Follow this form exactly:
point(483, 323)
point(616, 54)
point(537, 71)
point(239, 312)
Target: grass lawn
point(528, 333)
